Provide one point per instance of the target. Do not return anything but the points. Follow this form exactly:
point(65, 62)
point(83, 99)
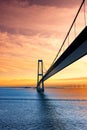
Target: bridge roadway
point(76, 50)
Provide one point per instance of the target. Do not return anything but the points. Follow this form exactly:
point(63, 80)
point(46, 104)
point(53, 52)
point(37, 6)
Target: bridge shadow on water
point(50, 119)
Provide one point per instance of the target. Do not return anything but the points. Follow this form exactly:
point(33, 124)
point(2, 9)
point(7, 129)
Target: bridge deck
point(76, 50)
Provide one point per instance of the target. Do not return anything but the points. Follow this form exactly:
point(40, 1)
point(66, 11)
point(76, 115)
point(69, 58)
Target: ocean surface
point(56, 109)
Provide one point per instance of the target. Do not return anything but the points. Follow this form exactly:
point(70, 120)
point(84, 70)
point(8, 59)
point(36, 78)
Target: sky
point(35, 29)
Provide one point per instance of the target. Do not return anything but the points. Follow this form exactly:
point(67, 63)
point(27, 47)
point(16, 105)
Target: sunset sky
point(32, 30)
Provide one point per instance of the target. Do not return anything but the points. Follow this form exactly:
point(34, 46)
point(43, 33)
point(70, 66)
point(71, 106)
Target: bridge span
point(76, 50)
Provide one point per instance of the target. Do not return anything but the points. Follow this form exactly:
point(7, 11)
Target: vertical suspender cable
point(68, 40)
point(85, 13)
point(75, 29)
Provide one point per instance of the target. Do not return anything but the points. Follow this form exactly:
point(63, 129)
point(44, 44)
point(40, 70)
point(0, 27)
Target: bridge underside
point(75, 51)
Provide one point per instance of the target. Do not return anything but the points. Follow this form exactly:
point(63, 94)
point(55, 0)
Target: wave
point(51, 99)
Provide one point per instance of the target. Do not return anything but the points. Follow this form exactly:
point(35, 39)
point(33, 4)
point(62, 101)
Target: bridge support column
point(40, 86)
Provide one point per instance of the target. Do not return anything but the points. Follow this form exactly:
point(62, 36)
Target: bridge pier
point(40, 85)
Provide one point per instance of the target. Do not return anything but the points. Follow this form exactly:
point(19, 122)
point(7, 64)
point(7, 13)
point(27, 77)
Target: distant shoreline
point(61, 87)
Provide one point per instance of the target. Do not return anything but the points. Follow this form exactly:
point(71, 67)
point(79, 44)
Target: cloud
point(8, 41)
point(4, 28)
point(25, 47)
point(55, 3)
point(50, 3)
point(34, 20)
point(43, 32)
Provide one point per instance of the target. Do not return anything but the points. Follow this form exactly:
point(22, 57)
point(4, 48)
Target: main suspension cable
point(68, 32)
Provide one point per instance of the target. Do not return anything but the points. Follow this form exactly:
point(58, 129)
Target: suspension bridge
point(76, 50)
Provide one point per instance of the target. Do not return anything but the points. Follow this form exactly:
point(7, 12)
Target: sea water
point(55, 109)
